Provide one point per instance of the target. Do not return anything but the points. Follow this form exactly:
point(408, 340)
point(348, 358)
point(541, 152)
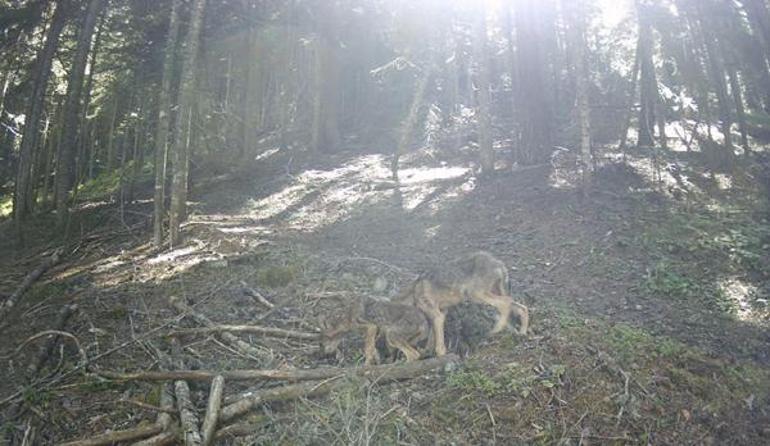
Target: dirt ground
point(648, 298)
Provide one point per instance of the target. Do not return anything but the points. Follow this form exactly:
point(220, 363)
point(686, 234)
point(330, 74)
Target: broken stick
point(257, 295)
point(265, 331)
point(240, 345)
point(212, 413)
point(118, 436)
point(28, 281)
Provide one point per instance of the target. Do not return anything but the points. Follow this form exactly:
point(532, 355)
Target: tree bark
point(740, 109)
point(411, 118)
point(72, 109)
point(181, 147)
point(576, 10)
point(22, 202)
point(164, 119)
point(648, 81)
point(536, 141)
point(485, 115)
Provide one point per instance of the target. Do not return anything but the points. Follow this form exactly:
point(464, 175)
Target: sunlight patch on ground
point(173, 255)
point(267, 154)
point(724, 182)
point(744, 297)
point(424, 175)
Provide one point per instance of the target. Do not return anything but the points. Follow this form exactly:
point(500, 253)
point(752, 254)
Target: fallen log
point(28, 281)
point(212, 412)
point(169, 435)
point(233, 340)
point(389, 372)
point(118, 436)
point(187, 416)
point(265, 331)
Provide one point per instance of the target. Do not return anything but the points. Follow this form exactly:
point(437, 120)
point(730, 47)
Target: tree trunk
point(735, 89)
point(110, 165)
point(484, 117)
point(22, 202)
point(411, 119)
point(532, 92)
point(164, 118)
point(181, 150)
point(326, 134)
point(85, 130)
point(64, 168)
point(51, 148)
point(631, 99)
point(576, 13)
point(648, 81)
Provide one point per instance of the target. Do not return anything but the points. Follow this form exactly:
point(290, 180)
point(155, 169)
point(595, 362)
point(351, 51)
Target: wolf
point(402, 328)
point(478, 277)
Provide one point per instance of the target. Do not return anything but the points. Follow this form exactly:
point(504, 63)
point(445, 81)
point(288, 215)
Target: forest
point(384, 222)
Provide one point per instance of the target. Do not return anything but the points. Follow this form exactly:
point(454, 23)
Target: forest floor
point(648, 298)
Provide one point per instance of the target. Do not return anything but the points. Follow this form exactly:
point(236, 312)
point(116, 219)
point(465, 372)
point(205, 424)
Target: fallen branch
point(28, 281)
point(212, 412)
point(265, 331)
point(238, 430)
point(169, 435)
point(162, 439)
point(45, 350)
point(237, 343)
point(40, 360)
point(257, 295)
point(118, 436)
point(44, 333)
point(282, 393)
point(187, 417)
point(388, 372)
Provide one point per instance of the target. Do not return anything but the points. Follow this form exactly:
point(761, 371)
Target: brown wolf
point(476, 277)
point(401, 326)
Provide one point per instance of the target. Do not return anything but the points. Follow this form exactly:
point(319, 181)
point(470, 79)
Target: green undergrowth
point(691, 253)
point(573, 382)
point(109, 183)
